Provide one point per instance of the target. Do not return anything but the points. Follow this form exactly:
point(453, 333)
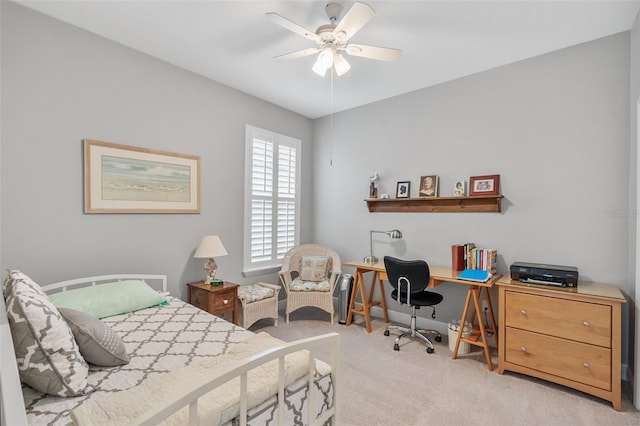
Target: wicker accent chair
point(309, 293)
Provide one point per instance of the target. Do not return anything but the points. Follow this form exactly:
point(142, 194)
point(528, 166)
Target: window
point(272, 199)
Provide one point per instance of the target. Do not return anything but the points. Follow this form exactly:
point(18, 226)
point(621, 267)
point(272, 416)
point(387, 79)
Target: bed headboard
point(12, 411)
point(157, 282)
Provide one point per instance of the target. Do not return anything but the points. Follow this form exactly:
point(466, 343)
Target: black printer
point(538, 273)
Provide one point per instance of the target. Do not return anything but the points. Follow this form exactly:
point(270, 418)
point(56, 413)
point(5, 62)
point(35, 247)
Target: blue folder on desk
point(477, 275)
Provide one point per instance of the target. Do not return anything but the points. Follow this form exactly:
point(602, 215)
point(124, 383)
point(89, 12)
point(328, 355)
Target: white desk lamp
point(210, 247)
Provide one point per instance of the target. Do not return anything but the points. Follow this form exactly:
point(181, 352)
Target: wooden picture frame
point(126, 179)
point(403, 189)
point(428, 186)
point(484, 185)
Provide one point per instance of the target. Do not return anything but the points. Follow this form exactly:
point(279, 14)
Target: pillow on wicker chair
point(314, 268)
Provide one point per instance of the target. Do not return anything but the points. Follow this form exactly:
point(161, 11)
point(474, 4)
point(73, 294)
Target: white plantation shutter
point(271, 199)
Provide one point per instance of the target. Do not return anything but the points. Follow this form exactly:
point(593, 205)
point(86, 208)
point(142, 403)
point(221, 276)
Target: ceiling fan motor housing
point(333, 11)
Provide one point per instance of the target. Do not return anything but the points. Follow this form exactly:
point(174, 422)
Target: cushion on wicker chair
point(300, 285)
point(253, 293)
point(314, 268)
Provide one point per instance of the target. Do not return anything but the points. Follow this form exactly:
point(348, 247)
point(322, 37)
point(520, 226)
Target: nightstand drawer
point(199, 298)
point(568, 319)
point(224, 301)
point(576, 361)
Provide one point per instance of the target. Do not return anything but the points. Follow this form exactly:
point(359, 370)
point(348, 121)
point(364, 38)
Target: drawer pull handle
point(225, 301)
point(586, 323)
point(523, 349)
point(585, 365)
point(523, 312)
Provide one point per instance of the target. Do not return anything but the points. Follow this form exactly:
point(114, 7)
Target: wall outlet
point(485, 306)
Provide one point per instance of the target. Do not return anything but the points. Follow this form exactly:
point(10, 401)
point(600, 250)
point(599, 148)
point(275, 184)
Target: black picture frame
point(403, 189)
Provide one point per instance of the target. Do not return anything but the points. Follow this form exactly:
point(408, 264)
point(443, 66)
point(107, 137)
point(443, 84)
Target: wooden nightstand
point(215, 299)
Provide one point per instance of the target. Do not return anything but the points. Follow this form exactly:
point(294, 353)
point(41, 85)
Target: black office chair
point(409, 279)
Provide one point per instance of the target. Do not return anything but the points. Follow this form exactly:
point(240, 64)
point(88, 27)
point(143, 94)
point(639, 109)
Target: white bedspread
point(217, 407)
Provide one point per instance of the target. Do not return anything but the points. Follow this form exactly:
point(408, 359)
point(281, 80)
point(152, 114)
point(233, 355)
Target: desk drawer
point(580, 321)
point(575, 361)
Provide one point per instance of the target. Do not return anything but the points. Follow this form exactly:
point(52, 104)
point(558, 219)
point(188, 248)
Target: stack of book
point(468, 256)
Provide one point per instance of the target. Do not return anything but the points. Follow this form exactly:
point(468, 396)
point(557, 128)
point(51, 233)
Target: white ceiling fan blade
point(292, 26)
point(373, 52)
point(356, 18)
point(297, 54)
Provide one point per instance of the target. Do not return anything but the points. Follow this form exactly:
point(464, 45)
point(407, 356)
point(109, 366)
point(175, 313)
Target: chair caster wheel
point(429, 350)
point(386, 332)
point(396, 347)
point(438, 338)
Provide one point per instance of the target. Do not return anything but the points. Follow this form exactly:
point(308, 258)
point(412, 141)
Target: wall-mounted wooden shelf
point(484, 203)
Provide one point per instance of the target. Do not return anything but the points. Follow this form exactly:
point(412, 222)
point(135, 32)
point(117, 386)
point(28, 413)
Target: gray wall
point(555, 127)
point(60, 85)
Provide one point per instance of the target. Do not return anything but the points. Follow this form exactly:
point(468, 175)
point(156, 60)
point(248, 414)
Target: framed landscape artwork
point(484, 185)
point(127, 179)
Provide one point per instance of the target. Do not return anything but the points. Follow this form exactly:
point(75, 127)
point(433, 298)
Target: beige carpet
point(379, 386)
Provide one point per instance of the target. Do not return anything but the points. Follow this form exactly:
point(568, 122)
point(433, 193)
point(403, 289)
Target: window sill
point(260, 271)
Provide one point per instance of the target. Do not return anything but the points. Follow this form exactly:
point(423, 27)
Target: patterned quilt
point(164, 339)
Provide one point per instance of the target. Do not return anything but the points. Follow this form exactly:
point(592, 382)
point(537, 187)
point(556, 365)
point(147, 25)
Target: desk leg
point(473, 294)
point(359, 287)
point(462, 321)
point(383, 299)
point(483, 330)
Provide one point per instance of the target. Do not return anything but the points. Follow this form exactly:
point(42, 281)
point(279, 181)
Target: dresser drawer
point(575, 361)
point(224, 301)
point(580, 321)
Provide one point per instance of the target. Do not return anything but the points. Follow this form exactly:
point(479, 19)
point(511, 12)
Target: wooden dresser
point(567, 336)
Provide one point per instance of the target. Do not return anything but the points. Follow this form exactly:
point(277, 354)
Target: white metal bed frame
point(12, 410)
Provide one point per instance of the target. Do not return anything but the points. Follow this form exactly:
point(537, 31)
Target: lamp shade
point(210, 246)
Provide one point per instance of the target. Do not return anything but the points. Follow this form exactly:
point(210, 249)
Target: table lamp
point(210, 247)
point(393, 234)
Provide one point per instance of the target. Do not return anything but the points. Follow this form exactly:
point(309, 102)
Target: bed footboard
point(310, 344)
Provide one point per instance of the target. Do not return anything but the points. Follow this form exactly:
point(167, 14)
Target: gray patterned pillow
point(48, 357)
point(99, 344)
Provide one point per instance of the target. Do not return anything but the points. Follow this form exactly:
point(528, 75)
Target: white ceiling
point(233, 43)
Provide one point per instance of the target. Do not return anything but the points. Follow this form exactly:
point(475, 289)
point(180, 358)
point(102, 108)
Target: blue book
point(475, 275)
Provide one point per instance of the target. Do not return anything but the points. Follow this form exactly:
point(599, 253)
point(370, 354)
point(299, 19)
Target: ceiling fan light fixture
point(326, 57)
point(341, 65)
point(319, 68)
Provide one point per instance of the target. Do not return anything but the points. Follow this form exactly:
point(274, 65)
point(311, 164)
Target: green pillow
point(106, 300)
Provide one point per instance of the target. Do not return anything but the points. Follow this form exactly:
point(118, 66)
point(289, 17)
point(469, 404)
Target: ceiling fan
point(333, 38)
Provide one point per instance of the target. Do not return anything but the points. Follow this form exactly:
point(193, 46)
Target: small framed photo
point(403, 190)
point(484, 185)
point(459, 189)
point(428, 186)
